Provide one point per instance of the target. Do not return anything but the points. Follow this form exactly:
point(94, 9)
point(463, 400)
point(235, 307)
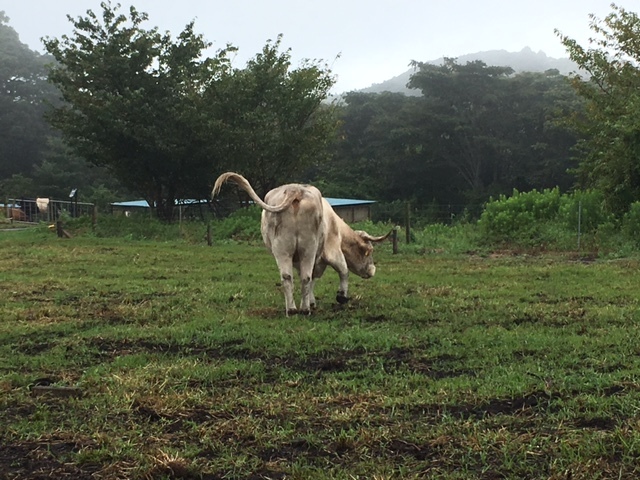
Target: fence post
point(579, 223)
point(94, 217)
point(394, 240)
point(209, 242)
point(408, 223)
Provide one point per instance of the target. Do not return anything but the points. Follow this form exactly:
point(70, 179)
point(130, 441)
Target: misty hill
point(524, 61)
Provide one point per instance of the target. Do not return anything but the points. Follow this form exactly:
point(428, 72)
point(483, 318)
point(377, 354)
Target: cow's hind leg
point(286, 275)
point(306, 284)
point(318, 270)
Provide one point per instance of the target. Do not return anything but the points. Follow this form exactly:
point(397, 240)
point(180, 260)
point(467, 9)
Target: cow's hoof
point(341, 299)
point(304, 312)
point(292, 311)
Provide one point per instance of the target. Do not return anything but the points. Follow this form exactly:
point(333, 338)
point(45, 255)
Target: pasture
point(441, 366)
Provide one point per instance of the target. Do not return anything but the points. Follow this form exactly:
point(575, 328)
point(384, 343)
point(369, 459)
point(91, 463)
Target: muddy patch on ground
point(40, 460)
point(407, 359)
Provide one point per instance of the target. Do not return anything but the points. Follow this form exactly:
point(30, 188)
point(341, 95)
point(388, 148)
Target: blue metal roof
point(131, 203)
point(347, 202)
point(334, 202)
point(144, 204)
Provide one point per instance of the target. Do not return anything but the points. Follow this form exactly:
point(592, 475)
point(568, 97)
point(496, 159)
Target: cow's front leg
point(339, 264)
point(343, 291)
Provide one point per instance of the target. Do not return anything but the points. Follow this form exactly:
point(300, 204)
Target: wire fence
point(44, 209)
point(402, 213)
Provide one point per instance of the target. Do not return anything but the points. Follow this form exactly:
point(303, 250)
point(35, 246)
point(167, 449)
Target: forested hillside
point(524, 61)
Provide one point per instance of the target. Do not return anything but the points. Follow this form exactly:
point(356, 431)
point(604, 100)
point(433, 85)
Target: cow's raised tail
point(244, 184)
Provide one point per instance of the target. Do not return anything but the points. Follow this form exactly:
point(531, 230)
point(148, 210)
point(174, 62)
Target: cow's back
point(299, 229)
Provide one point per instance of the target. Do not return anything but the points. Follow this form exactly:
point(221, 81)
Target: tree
point(609, 128)
point(23, 93)
point(275, 124)
point(61, 171)
point(134, 103)
point(163, 119)
point(475, 131)
point(379, 144)
point(468, 99)
point(496, 128)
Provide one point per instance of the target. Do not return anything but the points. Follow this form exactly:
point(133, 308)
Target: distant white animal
point(43, 205)
point(302, 231)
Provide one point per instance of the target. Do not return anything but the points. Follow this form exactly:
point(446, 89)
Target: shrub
point(243, 224)
point(631, 223)
point(518, 218)
point(584, 208)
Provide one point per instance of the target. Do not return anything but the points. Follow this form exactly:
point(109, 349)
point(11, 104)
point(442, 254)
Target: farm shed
point(352, 210)
point(349, 209)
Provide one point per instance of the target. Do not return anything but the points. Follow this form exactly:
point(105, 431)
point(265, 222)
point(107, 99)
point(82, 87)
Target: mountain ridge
point(526, 60)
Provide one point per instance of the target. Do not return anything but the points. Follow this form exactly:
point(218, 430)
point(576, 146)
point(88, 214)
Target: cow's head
point(360, 254)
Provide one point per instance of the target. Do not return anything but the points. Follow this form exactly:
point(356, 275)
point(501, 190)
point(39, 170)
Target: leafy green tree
point(18, 186)
point(609, 127)
point(134, 103)
point(61, 171)
point(379, 152)
point(163, 119)
point(23, 93)
point(275, 125)
point(469, 102)
point(476, 131)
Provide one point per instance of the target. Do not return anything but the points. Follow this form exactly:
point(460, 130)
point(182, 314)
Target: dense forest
point(120, 111)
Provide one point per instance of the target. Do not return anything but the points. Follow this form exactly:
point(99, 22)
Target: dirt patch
point(412, 359)
point(43, 460)
point(290, 451)
point(398, 358)
point(596, 423)
point(534, 401)
point(402, 448)
point(528, 404)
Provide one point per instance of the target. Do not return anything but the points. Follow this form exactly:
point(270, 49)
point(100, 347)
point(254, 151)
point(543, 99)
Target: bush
point(584, 208)
point(631, 223)
point(243, 224)
point(519, 218)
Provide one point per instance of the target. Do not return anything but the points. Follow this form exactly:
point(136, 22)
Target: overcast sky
point(374, 39)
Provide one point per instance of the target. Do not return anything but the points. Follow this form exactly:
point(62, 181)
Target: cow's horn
point(366, 236)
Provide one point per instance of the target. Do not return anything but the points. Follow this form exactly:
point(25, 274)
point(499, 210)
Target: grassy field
point(448, 367)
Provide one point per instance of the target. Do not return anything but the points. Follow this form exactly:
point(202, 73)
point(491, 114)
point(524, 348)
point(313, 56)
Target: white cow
point(302, 231)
